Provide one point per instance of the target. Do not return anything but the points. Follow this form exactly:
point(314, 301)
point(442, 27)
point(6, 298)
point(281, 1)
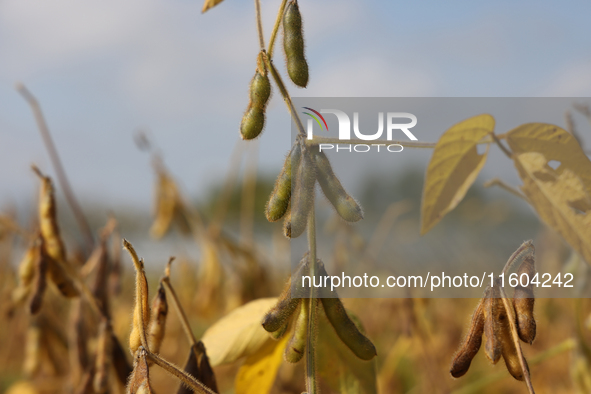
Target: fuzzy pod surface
point(293, 44)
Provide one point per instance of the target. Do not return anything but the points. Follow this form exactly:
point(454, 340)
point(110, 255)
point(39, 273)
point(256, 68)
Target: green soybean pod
point(279, 315)
point(279, 199)
point(253, 120)
point(294, 351)
point(345, 328)
point(280, 332)
point(302, 195)
point(293, 44)
point(345, 205)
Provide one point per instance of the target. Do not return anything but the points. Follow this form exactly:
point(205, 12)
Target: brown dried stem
point(177, 305)
point(183, 376)
point(515, 337)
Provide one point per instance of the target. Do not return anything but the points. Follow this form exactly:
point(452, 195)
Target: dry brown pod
point(523, 302)
point(40, 282)
point(198, 366)
point(494, 313)
point(157, 326)
point(102, 365)
point(139, 382)
point(48, 218)
point(471, 345)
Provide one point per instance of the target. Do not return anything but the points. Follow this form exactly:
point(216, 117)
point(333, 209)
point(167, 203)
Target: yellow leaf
point(556, 177)
point(337, 364)
point(238, 334)
point(454, 166)
point(210, 4)
point(22, 387)
point(257, 374)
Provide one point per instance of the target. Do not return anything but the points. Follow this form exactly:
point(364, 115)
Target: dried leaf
point(198, 366)
point(561, 195)
point(259, 370)
point(238, 334)
point(453, 168)
point(210, 4)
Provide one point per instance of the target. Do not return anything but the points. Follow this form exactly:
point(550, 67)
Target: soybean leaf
point(257, 374)
point(454, 166)
point(238, 334)
point(556, 177)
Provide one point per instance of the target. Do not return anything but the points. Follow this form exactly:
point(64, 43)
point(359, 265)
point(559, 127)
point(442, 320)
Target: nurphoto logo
point(393, 125)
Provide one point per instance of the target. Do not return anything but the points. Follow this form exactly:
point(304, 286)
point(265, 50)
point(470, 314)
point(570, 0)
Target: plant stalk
point(311, 381)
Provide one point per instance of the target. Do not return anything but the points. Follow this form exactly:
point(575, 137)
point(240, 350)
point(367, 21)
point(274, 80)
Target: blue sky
point(103, 69)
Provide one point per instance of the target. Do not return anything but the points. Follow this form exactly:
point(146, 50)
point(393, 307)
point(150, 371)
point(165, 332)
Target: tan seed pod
point(345, 205)
point(139, 382)
point(523, 302)
point(26, 273)
point(286, 304)
point(40, 282)
point(157, 325)
point(471, 345)
point(345, 328)
point(279, 200)
point(302, 195)
point(294, 351)
point(165, 202)
point(48, 219)
point(141, 310)
point(293, 44)
point(33, 349)
point(59, 277)
point(102, 366)
point(494, 312)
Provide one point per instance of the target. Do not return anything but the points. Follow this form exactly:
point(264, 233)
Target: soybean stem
point(506, 151)
point(57, 165)
point(180, 311)
point(310, 343)
point(257, 6)
point(500, 183)
point(276, 29)
point(183, 376)
point(285, 95)
point(515, 336)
